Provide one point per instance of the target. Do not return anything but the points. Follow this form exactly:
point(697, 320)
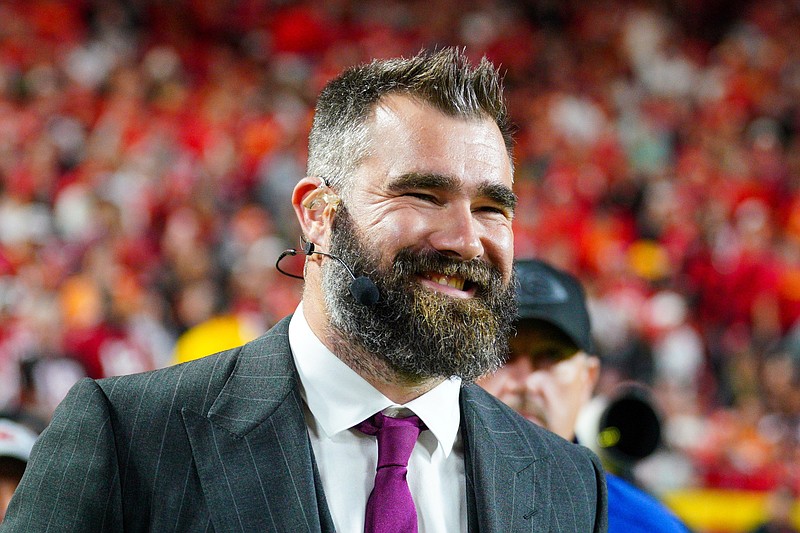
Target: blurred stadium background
point(148, 149)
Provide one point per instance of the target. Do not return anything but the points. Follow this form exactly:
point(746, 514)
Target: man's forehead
point(394, 105)
point(421, 117)
point(410, 136)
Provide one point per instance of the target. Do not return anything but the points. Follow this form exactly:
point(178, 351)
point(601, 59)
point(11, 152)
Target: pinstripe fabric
point(521, 478)
point(220, 444)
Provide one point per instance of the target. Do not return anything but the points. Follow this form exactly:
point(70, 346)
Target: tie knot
point(396, 437)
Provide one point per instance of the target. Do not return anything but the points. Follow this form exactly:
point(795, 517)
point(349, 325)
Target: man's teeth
point(456, 283)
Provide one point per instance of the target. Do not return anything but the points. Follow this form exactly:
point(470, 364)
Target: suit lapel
point(507, 479)
point(252, 451)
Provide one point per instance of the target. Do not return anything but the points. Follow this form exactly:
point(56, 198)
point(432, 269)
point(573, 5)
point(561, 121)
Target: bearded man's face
point(419, 332)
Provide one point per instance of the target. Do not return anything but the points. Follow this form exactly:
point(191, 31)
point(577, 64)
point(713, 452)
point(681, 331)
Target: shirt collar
point(339, 398)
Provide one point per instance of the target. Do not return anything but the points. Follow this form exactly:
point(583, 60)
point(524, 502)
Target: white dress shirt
point(337, 399)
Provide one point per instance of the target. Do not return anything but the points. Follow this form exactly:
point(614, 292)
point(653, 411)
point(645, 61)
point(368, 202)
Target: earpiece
point(322, 196)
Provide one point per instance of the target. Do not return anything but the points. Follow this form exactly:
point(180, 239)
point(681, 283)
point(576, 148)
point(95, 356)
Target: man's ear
point(315, 205)
point(593, 370)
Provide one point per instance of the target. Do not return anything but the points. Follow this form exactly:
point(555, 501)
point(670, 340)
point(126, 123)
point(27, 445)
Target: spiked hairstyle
point(444, 79)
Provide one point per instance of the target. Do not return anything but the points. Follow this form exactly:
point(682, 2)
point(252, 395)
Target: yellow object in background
point(717, 510)
point(649, 259)
point(212, 336)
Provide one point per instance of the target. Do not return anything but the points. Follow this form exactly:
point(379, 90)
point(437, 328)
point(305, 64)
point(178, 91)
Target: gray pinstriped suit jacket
point(220, 444)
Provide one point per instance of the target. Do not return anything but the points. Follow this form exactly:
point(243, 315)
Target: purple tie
point(390, 508)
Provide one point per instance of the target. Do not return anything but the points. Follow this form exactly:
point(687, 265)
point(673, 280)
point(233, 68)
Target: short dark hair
point(444, 79)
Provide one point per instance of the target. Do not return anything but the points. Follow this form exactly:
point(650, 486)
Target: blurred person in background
point(211, 328)
point(551, 376)
point(16, 442)
point(409, 183)
point(44, 381)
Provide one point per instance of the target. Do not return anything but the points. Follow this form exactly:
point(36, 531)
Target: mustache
point(485, 277)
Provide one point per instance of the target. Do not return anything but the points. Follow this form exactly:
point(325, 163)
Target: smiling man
point(352, 414)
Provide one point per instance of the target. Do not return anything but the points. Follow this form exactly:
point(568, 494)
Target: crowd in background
point(148, 151)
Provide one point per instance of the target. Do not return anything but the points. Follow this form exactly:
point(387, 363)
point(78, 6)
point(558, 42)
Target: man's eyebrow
point(501, 194)
point(417, 180)
point(498, 193)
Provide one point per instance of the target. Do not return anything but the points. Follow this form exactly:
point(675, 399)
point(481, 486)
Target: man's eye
point(423, 196)
point(508, 213)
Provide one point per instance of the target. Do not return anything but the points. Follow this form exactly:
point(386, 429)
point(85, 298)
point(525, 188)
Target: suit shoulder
point(193, 378)
point(192, 383)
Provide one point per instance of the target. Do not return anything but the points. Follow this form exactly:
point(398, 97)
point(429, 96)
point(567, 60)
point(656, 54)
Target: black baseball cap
point(551, 295)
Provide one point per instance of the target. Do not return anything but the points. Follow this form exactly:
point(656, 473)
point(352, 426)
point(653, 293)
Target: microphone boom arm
point(361, 288)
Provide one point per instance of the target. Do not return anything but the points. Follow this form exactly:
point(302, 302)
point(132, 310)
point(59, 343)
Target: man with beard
point(409, 184)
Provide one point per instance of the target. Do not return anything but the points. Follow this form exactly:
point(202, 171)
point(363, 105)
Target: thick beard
point(418, 333)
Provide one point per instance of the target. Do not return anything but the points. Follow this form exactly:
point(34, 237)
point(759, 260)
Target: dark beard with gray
point(419, 333)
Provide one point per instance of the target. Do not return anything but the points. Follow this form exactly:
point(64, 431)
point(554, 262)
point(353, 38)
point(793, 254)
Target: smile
point(453, 285)
point(455, 282)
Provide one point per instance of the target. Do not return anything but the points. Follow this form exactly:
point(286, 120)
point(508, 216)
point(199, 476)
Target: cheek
point(566, 372)
point(507, 383)
point(396, 229)
point(499, 244)
point(572, 378)
point(493, 383)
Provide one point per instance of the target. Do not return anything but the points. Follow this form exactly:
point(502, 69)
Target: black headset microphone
point(362, 288)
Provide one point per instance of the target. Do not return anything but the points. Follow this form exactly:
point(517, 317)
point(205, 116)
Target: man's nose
point(458, 233)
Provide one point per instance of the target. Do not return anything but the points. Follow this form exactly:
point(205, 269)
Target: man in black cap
point(551, 376)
